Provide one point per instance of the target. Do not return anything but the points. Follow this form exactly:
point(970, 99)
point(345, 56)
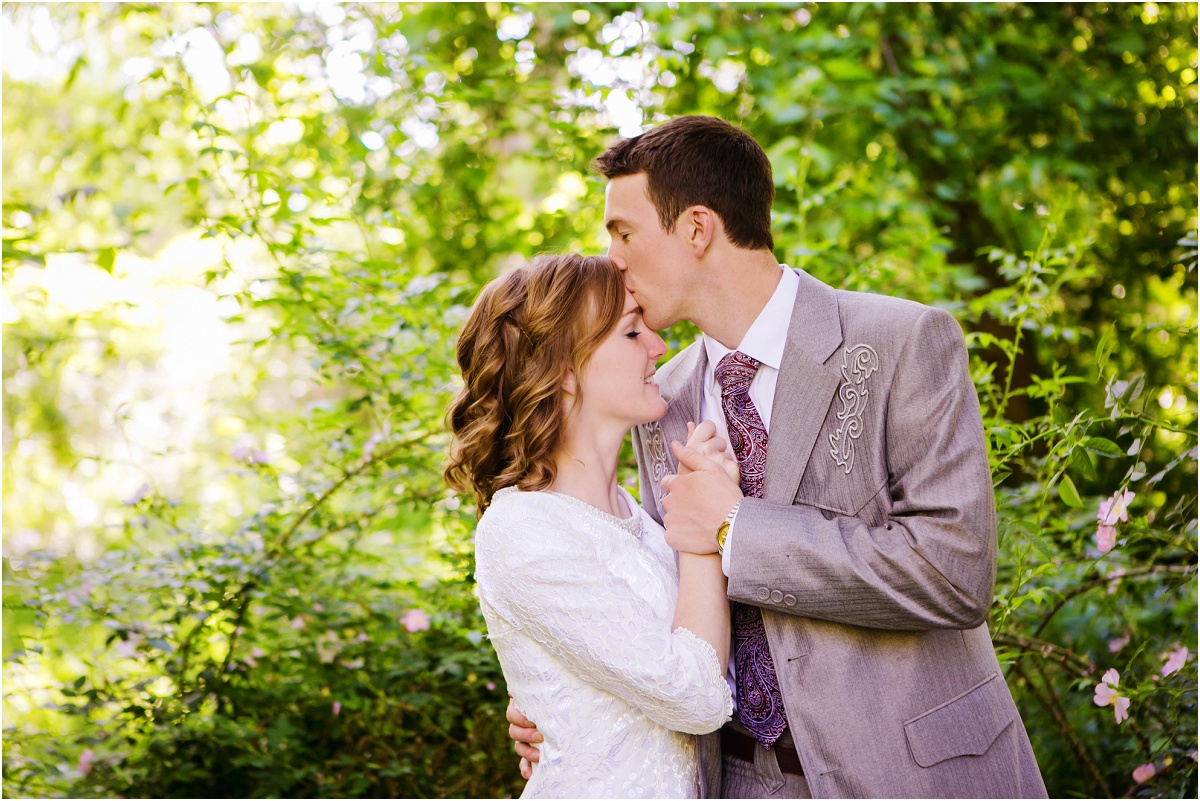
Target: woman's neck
point(587, 468)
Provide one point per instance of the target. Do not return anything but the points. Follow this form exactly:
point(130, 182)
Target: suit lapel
point(681, 389)
point(679, 381)
point(805, 388)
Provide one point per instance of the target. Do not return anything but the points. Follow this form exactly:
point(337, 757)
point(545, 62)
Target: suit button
point(763, 593)
point(776, 597)
point(789, 600)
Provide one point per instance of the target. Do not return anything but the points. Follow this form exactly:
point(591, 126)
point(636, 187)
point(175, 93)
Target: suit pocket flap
point(966, 725)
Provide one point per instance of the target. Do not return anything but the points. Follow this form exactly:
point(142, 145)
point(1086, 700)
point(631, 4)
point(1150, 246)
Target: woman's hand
point(704, 440)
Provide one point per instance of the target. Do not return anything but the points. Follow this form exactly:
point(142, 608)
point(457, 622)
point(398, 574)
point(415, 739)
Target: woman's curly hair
point(527, 330)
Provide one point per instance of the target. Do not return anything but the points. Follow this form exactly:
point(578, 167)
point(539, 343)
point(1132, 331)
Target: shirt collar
point(765, 338)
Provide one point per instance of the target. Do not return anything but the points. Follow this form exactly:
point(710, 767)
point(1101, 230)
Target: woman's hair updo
point(527, 330)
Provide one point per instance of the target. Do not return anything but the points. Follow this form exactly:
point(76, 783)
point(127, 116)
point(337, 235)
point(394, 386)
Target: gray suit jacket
point(872, 553)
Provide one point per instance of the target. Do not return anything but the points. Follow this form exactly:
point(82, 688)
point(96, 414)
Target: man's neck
point(736, 289)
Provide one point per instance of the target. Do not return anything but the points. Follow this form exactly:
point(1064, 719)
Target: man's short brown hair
point(701, 161)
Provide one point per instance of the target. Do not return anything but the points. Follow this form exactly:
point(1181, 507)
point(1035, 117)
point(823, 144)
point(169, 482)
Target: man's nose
point(612, 254)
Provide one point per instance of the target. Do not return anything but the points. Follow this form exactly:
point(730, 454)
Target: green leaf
point(105, 259)
point(1068, 493)
point(1103, 447)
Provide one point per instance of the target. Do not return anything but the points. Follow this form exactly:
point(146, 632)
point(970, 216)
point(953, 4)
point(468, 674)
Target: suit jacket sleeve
point(931, 563)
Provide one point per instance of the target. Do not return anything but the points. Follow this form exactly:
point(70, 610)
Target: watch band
point(723, 529)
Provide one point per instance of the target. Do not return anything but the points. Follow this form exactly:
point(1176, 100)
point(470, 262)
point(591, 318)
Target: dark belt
point(743, 746)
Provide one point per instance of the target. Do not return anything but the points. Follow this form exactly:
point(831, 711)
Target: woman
point(614, 644)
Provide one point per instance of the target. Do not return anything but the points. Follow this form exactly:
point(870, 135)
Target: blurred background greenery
point(239, 240)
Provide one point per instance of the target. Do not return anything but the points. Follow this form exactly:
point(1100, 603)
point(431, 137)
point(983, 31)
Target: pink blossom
point(1175, 660)
point(491, 685)
point(1144, 773)
point(298, 622)
point(240, 452)
point(86, 759)
point(1115, 509)
point(1106, 537)
point(337, 708)
point(1106, 694)
point(415, 620)
point(1117, 644)
point(257, 652)
point(128, 648)
point(1114, 580)
point(1121, 709)
point(259, 457)
point(318, 608)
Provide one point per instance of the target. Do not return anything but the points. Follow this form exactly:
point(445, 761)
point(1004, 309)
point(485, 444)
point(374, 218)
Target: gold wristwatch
point(723, 529)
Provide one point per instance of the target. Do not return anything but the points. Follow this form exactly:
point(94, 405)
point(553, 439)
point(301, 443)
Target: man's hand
point(696, 502)
point(523, 733)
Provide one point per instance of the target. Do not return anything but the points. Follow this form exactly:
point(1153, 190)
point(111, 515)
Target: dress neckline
point(631, 525)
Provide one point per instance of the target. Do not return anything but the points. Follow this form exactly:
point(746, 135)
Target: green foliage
point(232, 290)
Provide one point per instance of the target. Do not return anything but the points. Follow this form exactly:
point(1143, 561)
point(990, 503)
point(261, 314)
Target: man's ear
point(700, 228)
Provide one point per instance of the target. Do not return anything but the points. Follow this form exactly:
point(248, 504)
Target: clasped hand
point(697, 499)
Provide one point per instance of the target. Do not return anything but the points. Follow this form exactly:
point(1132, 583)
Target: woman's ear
point(570, 384)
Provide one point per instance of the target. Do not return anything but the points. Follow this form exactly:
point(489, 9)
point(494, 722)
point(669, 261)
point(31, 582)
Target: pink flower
point(240, 452)
point(1106, 695)
point(415, 620)
point(259, 457)
point(1175, 660)
point(1115, 509)
point(1117, 644)
point(86, 759)
point(1106, 537)
point(1121, 709)
point(1144, 773)
point(298, 622)
point(491, 685)
point(128, 648)
point(1114, 580)
point(337, 708)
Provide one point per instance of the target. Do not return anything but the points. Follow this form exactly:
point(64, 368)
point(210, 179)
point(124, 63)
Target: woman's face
point(617, 382)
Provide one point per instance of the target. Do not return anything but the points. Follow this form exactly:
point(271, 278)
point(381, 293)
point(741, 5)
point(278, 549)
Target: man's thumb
point(689, 457)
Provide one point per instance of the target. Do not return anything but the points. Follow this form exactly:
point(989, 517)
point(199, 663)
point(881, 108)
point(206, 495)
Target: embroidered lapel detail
point(679, 381)
point(656, 450)
point(858, 364)
point(805, 388)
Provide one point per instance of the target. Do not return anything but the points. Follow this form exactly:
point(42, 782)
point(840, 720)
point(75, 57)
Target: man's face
point(655, 264)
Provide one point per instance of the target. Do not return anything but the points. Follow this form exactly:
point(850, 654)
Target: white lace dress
point(579, 606)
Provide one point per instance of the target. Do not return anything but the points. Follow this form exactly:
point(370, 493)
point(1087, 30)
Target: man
point(861, 544)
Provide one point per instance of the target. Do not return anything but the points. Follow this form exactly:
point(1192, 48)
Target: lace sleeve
point(552, 583)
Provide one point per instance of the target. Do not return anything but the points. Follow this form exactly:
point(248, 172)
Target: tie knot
point(735, 372)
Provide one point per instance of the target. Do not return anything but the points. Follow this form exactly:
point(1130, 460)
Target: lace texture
point(579, 611)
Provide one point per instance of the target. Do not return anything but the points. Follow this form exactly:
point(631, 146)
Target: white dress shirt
point(764, 341)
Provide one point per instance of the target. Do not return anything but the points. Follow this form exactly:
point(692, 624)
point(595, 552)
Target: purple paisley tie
point(759, 702)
